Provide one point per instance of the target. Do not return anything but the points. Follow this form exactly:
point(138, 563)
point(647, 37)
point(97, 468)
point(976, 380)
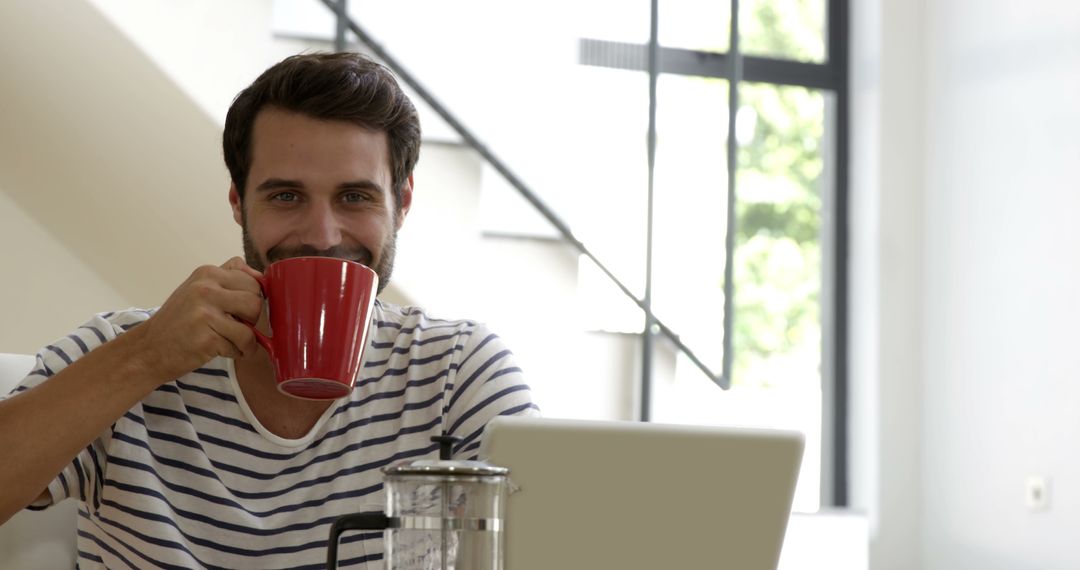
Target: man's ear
point(406, 201)
point(237, 205)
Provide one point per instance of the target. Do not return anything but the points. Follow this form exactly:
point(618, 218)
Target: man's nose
point(322, 228)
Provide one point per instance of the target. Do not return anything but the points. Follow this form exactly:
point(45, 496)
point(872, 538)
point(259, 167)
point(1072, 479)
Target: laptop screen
point(640, 496)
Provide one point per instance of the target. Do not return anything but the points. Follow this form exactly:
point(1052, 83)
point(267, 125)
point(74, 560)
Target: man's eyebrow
point(361, 185)
point(277, 184)
point(282, 183)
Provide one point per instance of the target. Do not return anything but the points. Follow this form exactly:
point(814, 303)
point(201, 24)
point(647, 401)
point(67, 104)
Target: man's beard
point(384, 268)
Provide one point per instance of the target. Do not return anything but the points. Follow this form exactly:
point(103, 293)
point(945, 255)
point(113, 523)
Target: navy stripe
point(389, 394)
point(98, 477)
point(269, 494)
point(82, 477)
point(464, 444)
point(207, 391)
point(220, 418)
point(159, 542)
point(341, 563)
point(89, 556)
point(375, 380)
point(228, 444)
point(317, 502)
point(183, 465)
point(350, 561)
point(503, 372)
point(387, 325)
point(295, 468)
point(487, 401)
point(443, 324)
point(464, 387)
point(382, 417)
point(148, 516)
point(165, 436)
point(471, 447)
point(168, 388)
point(166, 412)
point(412, 311)
point(198, 412)
point(158, 564)
point(417, 361)
point(104, 546)
point(59, 352)
point(190, 515)
point(202, 437)
point(107, 315)
point(315, 544)
point(224, 466)
point(64, 481)
point(129, 326)
point(447, 388)
point(418, 342)
point(482, 344)
point(100, 335)
point(79, 341)
point(212, 372)
point(38, 507)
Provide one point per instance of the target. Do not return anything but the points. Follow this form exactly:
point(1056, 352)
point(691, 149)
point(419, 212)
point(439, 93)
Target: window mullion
point(732, 170)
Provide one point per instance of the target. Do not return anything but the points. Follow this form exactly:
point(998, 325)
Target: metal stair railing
point(345, 24)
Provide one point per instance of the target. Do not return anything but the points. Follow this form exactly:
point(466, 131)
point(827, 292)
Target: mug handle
point(265, 341)
point(359, 521)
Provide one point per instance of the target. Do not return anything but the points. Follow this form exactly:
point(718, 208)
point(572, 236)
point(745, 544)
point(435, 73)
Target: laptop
point(639, 496)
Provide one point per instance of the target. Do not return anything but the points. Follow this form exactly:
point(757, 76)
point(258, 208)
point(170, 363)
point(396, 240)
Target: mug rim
point(320, 258)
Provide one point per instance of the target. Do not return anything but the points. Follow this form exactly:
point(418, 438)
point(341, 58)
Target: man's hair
point(330, 86)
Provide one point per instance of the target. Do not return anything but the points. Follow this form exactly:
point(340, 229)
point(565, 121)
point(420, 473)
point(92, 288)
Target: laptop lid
point(641, 496)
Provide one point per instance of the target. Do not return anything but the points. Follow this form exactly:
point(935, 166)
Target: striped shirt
point(188, 478)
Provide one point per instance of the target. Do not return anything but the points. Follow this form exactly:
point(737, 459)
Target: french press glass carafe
point(440, 515)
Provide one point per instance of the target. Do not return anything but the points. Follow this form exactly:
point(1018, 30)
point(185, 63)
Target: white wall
point(886, 267)
point(1002, 271)
point(100, 147)
point(210, 49)
point(39, 302)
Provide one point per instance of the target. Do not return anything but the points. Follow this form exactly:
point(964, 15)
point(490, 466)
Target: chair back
point(35, 540)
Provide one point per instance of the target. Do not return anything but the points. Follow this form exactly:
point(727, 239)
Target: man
point(166, 424)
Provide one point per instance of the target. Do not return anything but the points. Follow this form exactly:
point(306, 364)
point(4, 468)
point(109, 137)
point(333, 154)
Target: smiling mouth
point(361, 255)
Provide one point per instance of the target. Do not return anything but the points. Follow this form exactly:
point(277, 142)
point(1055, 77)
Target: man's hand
point(42, 429)
point(203, 319)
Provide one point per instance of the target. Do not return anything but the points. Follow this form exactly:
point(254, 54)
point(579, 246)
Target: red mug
point(320, 311)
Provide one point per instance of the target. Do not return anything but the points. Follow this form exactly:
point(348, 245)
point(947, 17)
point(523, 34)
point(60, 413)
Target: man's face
point(319, 188)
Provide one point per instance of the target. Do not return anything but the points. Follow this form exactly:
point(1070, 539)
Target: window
point(561, 93)
point(787, 199)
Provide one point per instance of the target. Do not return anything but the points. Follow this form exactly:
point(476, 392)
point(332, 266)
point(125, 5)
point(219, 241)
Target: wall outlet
point(1037, 493)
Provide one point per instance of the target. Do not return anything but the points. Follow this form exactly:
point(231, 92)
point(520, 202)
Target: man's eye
point(284, 197)
point(354, 197)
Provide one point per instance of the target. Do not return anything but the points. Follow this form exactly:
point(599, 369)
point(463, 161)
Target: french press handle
point(359, 521)
point(376, 520)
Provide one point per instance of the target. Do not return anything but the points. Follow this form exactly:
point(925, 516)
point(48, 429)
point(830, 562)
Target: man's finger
point(238, 264)
point(241, 304)
point(239, 276)
point(238, 335)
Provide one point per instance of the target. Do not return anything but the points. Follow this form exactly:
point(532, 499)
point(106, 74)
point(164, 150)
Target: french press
point(440, 514)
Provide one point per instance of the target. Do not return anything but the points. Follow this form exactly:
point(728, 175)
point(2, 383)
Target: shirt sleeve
point(80, 479)
point(487, 383)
